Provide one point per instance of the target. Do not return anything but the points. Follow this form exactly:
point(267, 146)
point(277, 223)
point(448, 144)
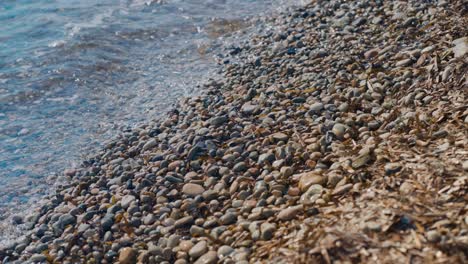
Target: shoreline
point(339, 135)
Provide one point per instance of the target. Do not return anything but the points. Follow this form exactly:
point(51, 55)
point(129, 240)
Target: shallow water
point(73, 72)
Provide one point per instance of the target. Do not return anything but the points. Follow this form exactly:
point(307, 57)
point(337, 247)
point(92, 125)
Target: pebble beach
point(337, 134)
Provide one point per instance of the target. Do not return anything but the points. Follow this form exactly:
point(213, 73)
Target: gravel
point(335, 134)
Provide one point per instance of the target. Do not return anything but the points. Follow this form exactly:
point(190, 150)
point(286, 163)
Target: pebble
point(17, 220)
point(433, 236)
point(66, 219)
point(310, 178)
point(371, 53)
point(362, 160)
point(38, 258)
point(197, 231)
point(290, 212)
point(465, 165)
point(127, 200)
point(267, 231)
point(249, 109)
point(150, 144)
point(240, 167)
point(280, 136)
point(228, 219)
point(199, 249)
point(460, 47)
point(266, 157)
point(184, 221)
point(127, 255)
point(107, 221)
point(392, 168)
point(406, 188)
point(192, 189)
point(373, 226)
point(316, 108)
point(210, 257)
point(286, 171)
point(312, 194)
point(185, 245)
point(403, 63)
point(342, 189)
point(219, 120)
point(339, 130)
point(224, 251)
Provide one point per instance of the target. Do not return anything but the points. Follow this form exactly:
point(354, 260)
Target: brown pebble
point(127, 255)
point(192, 189)
point(290, 212)
point(309, 178)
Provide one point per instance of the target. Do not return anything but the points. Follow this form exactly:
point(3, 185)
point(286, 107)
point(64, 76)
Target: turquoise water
point(74, 72)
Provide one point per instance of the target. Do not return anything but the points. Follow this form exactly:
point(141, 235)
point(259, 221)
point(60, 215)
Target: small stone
point(228, 219)
point(127, 255)
point(66, 219)
point(209, 258)
point(286, 171)
point(184, 221)
point(127, 200)
point(70, 172)
point(192, 189)
point(199, 249)
point(38, 258)
point(175, 164)
point(339, 130)
point(173, 241)
point(197, 231)
point(267, 231)
point(224, 251)
point(266, 157)
point(312, 194)
point(359, 21)
point(343, 107)
point(406, 188)
point(373, 226)
point(403, 63)
point(298, 100)
point(150, 144)
point(280, 136)
point(240, 167)
point(433, 236)
point(219, 120)
point(465, 165)
point(461, 47)
point(290, 213)
point(342, 189)
point(213, 171)
point(248, 108)
point(316, 108)
point(149, 219)
point(392, 168)
point(210, 195)
point(16, 220)
point(309, 178)
point(107, 221)
point(185, 245)
point(371, 53)
point(82, 228)
point(361, 160)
